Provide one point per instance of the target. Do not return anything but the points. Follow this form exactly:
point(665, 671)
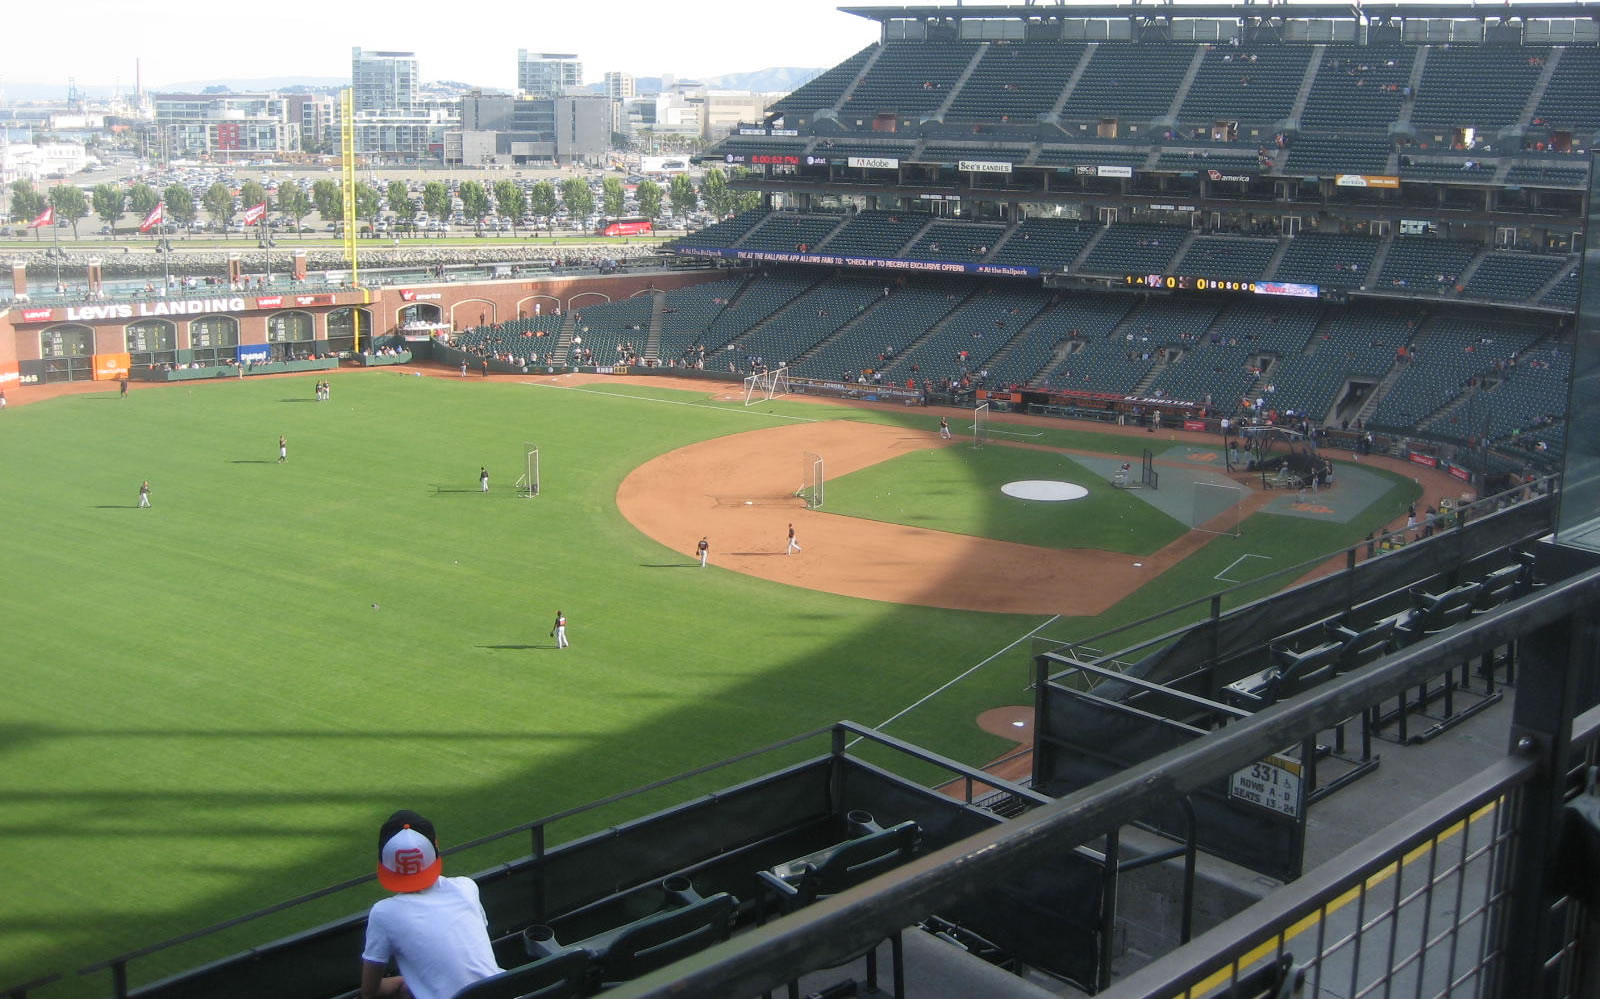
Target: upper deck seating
point(1256, 84)
point(1136, 81)
point(1359, 88)
point(1480, 86)
point(825, 89)
point(876, 234)
point(910, 77)
point(1569, 100)
point(786, 232)
point(1018, 81)
point(1322, 155)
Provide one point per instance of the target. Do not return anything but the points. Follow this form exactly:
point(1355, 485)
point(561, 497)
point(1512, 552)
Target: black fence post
point(1553, 659)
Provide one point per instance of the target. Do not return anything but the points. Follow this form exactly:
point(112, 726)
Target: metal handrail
point(118, 963)
point(829, 931)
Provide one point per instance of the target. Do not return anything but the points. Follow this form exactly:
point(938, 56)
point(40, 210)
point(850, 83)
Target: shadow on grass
point(253, 461)
point(437, 489)
point(299, 400)
point(516, 646)
point(668, 565)
point(116, 506)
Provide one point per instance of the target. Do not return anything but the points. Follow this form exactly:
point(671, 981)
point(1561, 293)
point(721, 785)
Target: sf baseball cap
point(408, 858)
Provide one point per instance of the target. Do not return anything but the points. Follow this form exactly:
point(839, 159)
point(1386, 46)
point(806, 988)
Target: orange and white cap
point(408, 854)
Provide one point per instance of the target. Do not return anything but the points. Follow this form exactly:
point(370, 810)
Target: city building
point(392, 120)
point(499, 130)
point(620, 86)
point(317, 115)
point(225, 125)
point(383, 81)
point(548, 74)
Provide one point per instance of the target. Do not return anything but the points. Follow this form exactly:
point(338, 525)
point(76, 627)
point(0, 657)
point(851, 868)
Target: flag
point(157, 215)
point(46, 217)
point(255, 213)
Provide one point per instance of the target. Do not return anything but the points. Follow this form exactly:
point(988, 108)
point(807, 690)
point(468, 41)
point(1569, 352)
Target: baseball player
point(793, 545)
point(704, 548)
point(559, 630)
point(144, 494)
point(944, 428)
point(283, 449)
point(483, 478)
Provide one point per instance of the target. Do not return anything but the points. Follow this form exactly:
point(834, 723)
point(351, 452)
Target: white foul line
point(671, 402)
point(963, 675)
point(1222, 575)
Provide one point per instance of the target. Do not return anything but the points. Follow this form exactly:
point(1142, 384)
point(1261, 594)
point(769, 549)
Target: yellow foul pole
point(347, 148)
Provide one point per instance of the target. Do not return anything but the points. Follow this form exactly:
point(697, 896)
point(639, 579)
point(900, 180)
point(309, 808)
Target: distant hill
point(251, 86)
point(775, 80)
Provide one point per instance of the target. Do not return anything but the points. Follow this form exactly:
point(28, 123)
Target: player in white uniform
point(793, 545)
point(559, 631)
point(704, 549)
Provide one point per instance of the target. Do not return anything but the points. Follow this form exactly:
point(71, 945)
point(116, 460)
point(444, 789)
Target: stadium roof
point(1356, 11)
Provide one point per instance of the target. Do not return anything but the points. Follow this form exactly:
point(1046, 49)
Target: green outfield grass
point(957, 489)
point(213, 702)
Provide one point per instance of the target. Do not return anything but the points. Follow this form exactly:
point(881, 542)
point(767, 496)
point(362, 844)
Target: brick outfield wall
point(464, 305)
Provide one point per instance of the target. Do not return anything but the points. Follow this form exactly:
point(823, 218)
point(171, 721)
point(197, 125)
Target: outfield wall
point(55, 341)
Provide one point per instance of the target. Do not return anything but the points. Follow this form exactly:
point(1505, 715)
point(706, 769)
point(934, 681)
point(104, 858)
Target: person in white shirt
point(433, 928)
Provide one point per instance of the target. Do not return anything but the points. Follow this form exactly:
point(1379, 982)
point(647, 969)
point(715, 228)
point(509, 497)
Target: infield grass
point(212, 703)
point(957, 489)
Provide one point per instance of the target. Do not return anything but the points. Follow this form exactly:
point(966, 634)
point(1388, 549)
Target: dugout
point(718, 842)
point(1099, 712)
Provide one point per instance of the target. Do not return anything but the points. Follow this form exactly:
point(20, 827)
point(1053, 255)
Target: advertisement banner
point(257, 352)
point(10, 374)
point(1114, 171)
point(1427, 460)
point(1194, 424)
point(1460, 473)
point(37, 315)
point(874, 162)
point(984, 166)
point(110, 367)
point(1365, 180)
point(878, 263)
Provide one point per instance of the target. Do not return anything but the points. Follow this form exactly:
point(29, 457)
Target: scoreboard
point(1187, 282)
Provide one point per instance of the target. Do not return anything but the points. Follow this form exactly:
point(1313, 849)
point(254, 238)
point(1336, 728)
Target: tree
point(511, 202)
point(714, 191)
point(542, 199)
point(399, 198)
point(614, 196)
point(218, 203)
point(328, 196)
point(293, 201)
point(26, 203)
point(575, 194)
point(368, 202)
point(180, 204)
point(649, 195)
point(682, 194)
point(436, 199)
point(108, 201)
point(141, 199)
point(745, 201)
point(70, 204)
point(475, 202)
point(251, 194)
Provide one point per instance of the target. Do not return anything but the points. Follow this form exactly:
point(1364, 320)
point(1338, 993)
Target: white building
point(226, 126)
point(548, 74)
point(383, 81)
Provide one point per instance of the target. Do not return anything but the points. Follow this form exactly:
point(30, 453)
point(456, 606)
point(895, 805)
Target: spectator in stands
point(433, 928)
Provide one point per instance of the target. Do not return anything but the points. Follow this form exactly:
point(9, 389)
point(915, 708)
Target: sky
point(187, 40)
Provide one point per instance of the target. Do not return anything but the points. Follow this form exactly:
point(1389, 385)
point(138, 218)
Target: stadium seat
point(558, 976)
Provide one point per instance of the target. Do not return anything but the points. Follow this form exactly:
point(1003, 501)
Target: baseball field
point(212, 703)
